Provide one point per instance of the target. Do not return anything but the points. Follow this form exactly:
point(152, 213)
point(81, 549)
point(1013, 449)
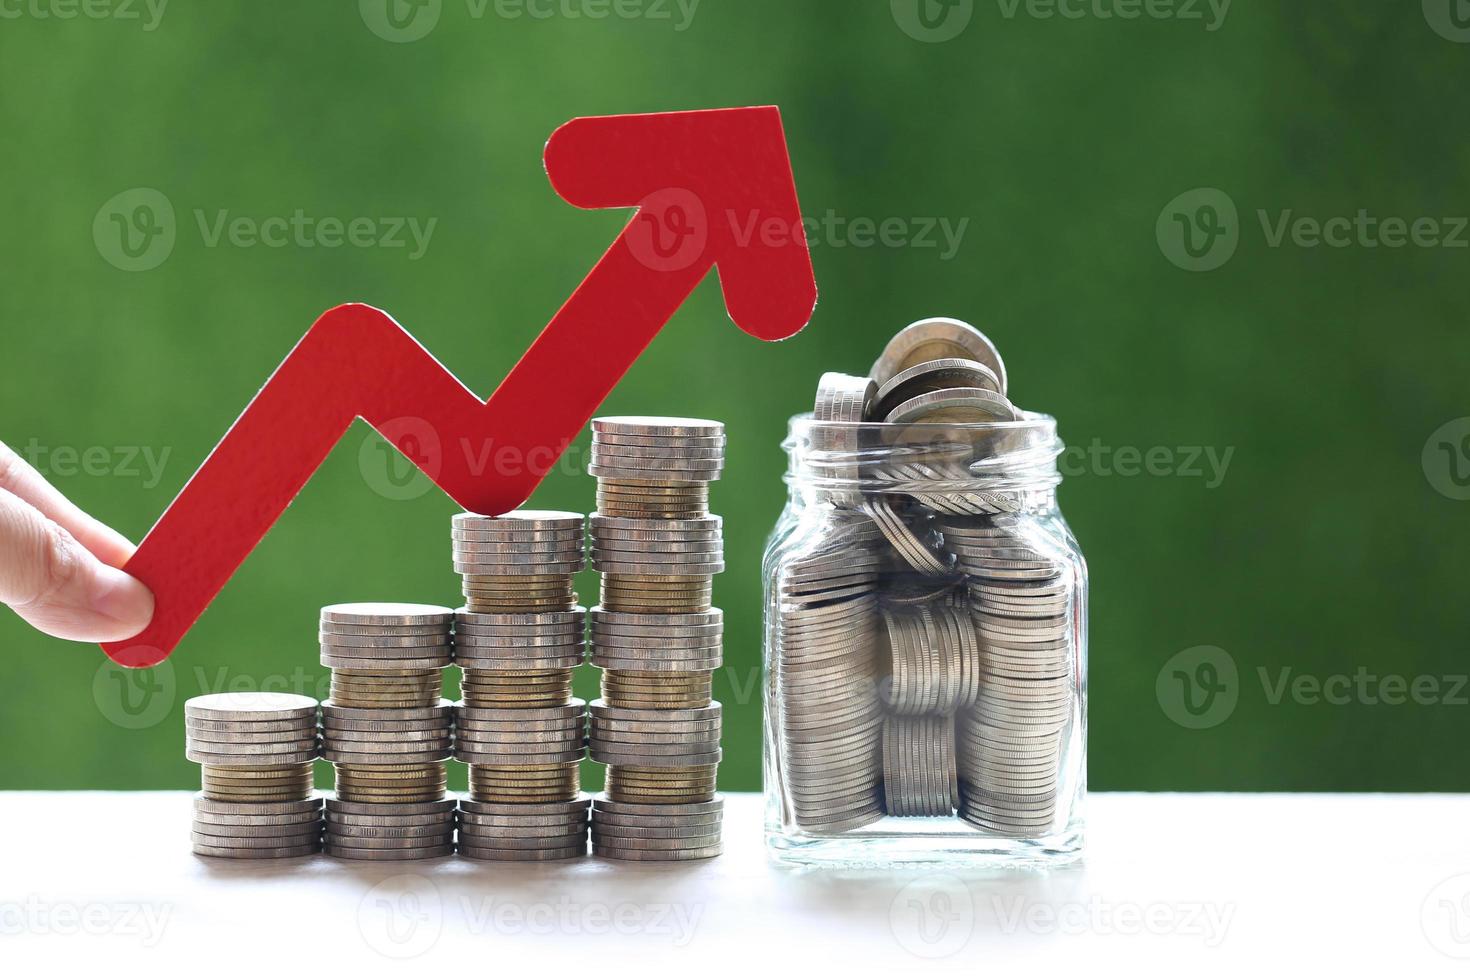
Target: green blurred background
point(1052, 145)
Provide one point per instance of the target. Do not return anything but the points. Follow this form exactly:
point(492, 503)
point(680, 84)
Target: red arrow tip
point(711, 186)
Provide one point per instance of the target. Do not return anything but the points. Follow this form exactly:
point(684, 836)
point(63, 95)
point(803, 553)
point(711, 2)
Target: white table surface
point(1215, 884)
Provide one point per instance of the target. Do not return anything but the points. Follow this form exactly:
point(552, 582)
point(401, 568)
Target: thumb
point(60, 587)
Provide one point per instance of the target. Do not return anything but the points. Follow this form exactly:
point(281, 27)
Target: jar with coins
point(925, 622)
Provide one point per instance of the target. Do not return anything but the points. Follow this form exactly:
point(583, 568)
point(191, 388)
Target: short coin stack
point(518, 639)
point(256, 750)
point(656, 637)
point(387, 730)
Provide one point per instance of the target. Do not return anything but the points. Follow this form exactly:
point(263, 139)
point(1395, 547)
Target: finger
point(20, 478)
point(60, 587)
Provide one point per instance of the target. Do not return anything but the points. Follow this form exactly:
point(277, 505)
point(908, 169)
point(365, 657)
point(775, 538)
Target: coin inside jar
point(936, 339)
point(940, 375)
point(965, 406)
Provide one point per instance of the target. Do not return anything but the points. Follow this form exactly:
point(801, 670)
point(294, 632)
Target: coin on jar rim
point(935, 339)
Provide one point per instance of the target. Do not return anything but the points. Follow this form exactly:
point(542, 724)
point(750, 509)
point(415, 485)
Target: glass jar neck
point(980, 467)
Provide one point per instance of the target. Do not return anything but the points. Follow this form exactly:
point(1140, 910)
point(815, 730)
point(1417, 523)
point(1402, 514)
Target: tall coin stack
point(388, 730)
point(256, 751)
point(656, 637)
point(1010, 740)
point(517, 640)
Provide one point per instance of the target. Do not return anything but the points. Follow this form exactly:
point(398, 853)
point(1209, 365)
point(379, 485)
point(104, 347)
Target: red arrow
point(705, 183)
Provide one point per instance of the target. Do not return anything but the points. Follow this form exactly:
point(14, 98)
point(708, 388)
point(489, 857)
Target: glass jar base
point(939, 848)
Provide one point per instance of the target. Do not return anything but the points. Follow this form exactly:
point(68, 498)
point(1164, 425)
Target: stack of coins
point(1010, 741)
point(517, 640)
point(827, 680)
point(387, 730)
point(656, 637)
point(919, 775)
point(256, 751)
point(923, 638)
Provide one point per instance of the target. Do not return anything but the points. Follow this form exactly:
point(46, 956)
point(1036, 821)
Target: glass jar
point(925, 649)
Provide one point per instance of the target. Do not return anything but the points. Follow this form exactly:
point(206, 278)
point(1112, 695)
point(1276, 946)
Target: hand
point(59, 567)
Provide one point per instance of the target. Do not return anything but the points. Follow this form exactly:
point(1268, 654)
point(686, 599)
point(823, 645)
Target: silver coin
point(936, 375)
point(580, 805)
point(600, 709)
point(365, 663)
point(249, 706)
point(206, 808)
point(561, 619)
point(257, 853)
point(388, 854)
point(669, 443)
point(387, 614)
point(251, 728)
point(652, 425)
point(954, 405)
point(935, 339)
point(336, 806)
point(400, 835)
point(340, 641)
point(335, 713)
point(532, 520)
point(513, 854)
